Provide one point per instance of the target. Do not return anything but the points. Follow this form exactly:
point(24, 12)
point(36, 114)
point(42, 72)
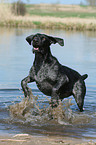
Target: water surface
point(16, 58)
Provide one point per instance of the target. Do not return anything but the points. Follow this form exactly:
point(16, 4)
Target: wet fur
point(52, 78)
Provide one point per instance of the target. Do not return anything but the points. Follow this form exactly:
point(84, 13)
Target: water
point(35, 116)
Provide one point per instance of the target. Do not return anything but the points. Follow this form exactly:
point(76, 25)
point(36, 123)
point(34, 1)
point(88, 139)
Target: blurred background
point(91, 2)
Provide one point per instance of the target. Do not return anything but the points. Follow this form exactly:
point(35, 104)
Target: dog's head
point(41, 42)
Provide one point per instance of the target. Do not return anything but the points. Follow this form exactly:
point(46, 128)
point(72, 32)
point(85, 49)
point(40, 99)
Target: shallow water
point(36, 116)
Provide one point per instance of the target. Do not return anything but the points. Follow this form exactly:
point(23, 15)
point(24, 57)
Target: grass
point(38, 23)
point(62, 14)
point(61, 11)
point(51, 17)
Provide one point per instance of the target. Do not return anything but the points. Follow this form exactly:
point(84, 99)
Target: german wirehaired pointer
point(52, 78)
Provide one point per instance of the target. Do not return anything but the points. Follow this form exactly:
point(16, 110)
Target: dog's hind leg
point(79, 91)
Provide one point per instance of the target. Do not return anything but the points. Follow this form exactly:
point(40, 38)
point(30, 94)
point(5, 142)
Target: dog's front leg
point(26, 89)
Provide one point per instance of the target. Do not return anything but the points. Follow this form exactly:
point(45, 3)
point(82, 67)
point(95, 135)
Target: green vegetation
point(68, 17)
point(63, 14)
point(35, 10)
point(37, 23)
point(84, 6)
point(51, 25)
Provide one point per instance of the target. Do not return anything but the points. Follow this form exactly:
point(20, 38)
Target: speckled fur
point(52, 78)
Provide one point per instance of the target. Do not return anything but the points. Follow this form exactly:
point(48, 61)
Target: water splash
point(28, 110)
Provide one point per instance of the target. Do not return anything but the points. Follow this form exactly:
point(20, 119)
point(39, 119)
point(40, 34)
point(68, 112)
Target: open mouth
point(35, 49)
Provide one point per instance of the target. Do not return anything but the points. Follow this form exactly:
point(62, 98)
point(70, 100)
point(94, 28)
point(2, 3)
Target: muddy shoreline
point(27, 139)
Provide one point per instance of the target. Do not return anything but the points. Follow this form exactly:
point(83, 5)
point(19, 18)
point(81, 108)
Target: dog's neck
point(42, 58)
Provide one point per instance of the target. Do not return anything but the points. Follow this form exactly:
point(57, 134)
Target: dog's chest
point(46, 73)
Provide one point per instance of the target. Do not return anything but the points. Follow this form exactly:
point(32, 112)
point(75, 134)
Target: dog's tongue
point(36, 48)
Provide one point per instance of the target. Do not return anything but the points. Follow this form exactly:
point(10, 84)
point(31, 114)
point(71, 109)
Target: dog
point(52, 78)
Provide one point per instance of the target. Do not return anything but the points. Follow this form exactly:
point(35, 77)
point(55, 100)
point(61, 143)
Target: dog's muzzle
point(35, 50)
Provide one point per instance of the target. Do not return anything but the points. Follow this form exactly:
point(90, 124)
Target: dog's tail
point(84, 76)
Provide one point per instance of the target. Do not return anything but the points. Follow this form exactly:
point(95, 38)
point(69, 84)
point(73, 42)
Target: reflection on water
point(16, 58)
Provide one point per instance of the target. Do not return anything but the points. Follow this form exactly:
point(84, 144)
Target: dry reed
point(5, 11)
point(8, 19)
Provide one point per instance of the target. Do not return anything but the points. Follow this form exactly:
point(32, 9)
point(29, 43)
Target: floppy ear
point(55, 40)
point(29, 39)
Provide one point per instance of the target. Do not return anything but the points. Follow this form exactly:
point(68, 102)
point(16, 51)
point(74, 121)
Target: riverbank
point(26, 139)
point(50, 23)
point(47, 20)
